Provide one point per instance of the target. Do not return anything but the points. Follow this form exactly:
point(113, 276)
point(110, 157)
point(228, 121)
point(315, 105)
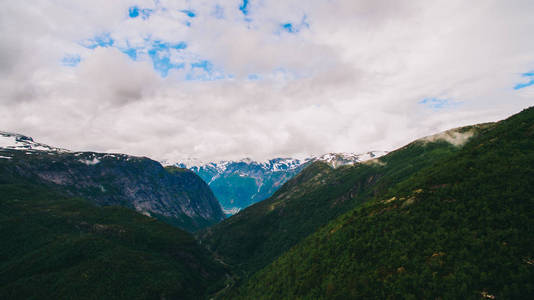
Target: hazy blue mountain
point(239, 184)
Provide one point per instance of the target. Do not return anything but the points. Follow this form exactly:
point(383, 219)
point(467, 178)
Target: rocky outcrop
point(175, 195)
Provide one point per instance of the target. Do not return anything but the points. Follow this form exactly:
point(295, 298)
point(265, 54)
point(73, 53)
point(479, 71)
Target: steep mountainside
point(257, 235)
point(176, 195)
point(461, 227)
point(239, 184)
point(58, 247)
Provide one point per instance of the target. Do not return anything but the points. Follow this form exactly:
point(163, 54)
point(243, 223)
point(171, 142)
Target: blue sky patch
point(189, 13)
point(131, 52)
point(253, 77)
point(243, 7)
point(525, 84)
point(438, 103)
point(163, 55)
point(104, 40)
point(295, 28)
point(134, 12)
point(71, 60)
point(204, 70)
point(162, 64)
point(159, 53)
point(145, 13)
point(204, 65)
point(218, 12)
point(162, 46)
point(289, 28)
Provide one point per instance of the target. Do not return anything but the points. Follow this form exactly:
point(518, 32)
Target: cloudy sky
point(236, 78)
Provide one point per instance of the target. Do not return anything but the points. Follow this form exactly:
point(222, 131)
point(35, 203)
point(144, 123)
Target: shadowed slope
point(58, 247)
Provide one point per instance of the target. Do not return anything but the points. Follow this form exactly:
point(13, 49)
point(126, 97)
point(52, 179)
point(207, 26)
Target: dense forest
point(450, 216)
point(254, 237)
point(58, 247)
point(460, 228)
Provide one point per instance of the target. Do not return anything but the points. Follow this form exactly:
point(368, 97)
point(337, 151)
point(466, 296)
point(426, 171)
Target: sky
point(215, 80)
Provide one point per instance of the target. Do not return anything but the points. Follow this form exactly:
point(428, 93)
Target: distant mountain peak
point(15, 141)
point(334, 159)
point(240, 183)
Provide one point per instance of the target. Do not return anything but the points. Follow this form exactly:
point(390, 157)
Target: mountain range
point(239, 184)
point(172, 194)
point(448, 216)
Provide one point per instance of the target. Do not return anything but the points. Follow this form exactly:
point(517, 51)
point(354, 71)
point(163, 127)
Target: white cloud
point(350, 82)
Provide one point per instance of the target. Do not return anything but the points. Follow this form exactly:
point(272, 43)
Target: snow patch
point(7, 141)
point(283, 164)
point(15, 141)
point(336, 160)
point(91, 162)
point(187, 163)
point(277, 164)
point(5, 157)
point(231, 211)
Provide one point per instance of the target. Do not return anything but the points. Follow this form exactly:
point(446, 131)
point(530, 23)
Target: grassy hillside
point(257, 235)
point(461, 228)
point(58, 247)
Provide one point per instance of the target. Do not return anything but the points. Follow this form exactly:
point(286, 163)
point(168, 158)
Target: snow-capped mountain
point(241, 183)
point(342, 159)
point(16, 141)
point(281, 164)
point(175, 195)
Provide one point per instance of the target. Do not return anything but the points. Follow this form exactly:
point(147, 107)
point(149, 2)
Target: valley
point(448, 215)
point(239, 184)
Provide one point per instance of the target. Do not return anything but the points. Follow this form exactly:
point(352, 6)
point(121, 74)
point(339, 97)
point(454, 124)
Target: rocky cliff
point(176, 195)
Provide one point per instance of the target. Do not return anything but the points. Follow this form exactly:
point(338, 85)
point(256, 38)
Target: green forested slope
point(462, 228)
point(257, 235)
point(177, 196)
point(58, 247)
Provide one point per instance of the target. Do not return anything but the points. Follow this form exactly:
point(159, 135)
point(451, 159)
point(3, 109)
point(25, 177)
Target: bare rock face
point(178, 196)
